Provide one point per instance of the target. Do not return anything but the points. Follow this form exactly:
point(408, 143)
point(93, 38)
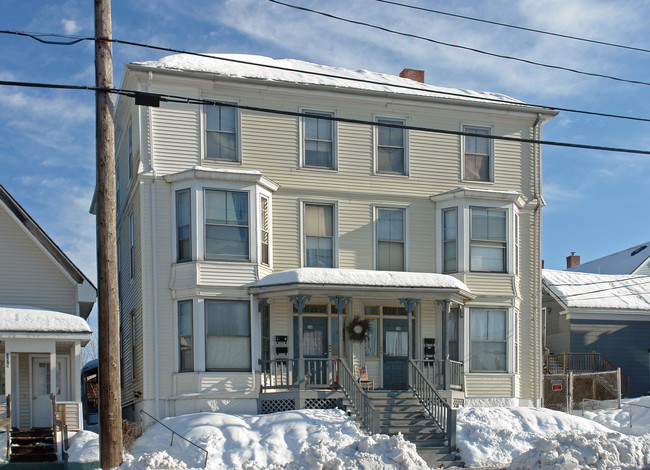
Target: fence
point(566, 392)
point(583, 363)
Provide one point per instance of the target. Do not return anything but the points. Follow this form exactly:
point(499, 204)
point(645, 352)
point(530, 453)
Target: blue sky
point(597, 202)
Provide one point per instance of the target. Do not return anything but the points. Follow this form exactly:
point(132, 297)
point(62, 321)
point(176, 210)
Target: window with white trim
point(488, 345)
point(477, 158)
point(185, 337)
point(264, 230)
point(318, 140)
point(391, 146)
point(390, 233)
point(221, 140)
point(488, 240)
point(227, 335)
point(450, 240)
point(130, 149)
point(226, 225)
point(131, 248)
point(183, 226)
point(319, 235)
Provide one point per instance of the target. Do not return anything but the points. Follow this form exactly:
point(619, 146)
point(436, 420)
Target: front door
point(41, 401)
point(314, 346)
point(395, 349)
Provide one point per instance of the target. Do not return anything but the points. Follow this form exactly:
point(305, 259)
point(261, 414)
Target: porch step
point(34, 445)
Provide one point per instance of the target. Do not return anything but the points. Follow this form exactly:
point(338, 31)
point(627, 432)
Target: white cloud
point(70, 26)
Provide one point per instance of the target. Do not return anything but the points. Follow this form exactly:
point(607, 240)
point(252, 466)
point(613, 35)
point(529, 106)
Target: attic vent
point(638, 250)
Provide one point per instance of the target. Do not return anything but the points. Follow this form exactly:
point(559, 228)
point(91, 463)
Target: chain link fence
point(568, 392)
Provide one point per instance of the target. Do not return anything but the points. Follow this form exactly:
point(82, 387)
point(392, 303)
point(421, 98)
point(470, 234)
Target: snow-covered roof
point(92, 364)
point(622, 262)
point(599, 291)
point(282, 70)
point(361, 278)
point(21, 319)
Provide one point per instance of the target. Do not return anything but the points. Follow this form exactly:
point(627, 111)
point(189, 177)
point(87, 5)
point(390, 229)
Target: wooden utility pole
point(110, 408)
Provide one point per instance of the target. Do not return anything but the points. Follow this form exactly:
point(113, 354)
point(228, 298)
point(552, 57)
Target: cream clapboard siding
point(489, 386)
point(20, 258)
point(530, 349)
point(25, 398)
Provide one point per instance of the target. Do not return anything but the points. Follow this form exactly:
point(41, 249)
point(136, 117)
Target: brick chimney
point(573, 260)
point(417, 75)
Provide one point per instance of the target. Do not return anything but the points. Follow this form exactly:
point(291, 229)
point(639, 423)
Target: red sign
point(557, 387)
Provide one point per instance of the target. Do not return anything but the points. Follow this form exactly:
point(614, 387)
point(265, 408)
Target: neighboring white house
point(633, 260)
point(44, 301)
point(602, 313)
point(247, 239)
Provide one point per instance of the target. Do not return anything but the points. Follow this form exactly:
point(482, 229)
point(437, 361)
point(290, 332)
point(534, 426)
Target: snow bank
point(318, 439)
point(84, 447)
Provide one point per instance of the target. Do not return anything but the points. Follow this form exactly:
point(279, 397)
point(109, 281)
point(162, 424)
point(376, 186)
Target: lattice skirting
point(274, 406)
point(288, 404)
point(456, 402)
point(320, 403)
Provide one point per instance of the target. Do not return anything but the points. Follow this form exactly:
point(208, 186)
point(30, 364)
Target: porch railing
point(435, 405)
point(363, 407)
point(443, 374)
point(283, 374)
point(56, 422)
point(583, 362)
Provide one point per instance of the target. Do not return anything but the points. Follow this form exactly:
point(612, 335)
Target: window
point(132, 322)
point(318, 140)
point(371, 313)
point(516, 244)
point(450, 240)
point(185, 344)
point(488, 240)
point(264, 229)
point(221, 133)
point(488, 345)
point(227, 342)
point(130, 144)
point(390, 239)
point(319, 235)
point(478, 151)
point(391, 149)
point(226, 225)
point(183, 229)
point(452, 333)
point(131, 248)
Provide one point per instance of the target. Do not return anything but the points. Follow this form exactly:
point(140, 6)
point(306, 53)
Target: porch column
point(446, 309)
point(340, 302)
point(53, 369)
point(410, 305)
point(7, 366)
point(299, 301)
point(76, 372)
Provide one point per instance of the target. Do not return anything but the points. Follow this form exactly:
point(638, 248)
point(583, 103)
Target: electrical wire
point(522, 28)
point(203, 101)
point(340, 77)
point(458, 46)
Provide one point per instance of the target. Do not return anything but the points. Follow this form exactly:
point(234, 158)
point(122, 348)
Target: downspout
point(154, 260)
point(537, 264)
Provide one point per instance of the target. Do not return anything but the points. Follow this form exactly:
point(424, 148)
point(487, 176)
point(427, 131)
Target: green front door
point(395, 347)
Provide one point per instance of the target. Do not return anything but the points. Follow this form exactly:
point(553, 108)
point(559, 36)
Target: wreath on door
point(358, 329)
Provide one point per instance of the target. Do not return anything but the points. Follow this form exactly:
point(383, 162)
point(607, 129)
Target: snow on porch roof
point(361, 278)
point(20, 319)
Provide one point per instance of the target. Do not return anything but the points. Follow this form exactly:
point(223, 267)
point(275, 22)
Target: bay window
point(450, 240)
point(183, 228)
point(185, 336)
point(227, 335)
point(488, 240)
point(488, 346)
point(226, 225)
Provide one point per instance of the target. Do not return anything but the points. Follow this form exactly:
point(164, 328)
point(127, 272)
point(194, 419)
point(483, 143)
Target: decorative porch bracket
point(446, 310)
point(409, 305)
point(299, 301)
point(341, 302)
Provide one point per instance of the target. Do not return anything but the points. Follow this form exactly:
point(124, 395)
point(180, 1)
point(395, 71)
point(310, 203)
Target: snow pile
point(84, 447)
point(319, 439)
point(618, 419)
point(36, 320)
point(538, 438)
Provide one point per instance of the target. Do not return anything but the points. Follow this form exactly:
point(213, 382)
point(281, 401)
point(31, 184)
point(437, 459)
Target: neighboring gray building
point(608, 314)
point(633, 260)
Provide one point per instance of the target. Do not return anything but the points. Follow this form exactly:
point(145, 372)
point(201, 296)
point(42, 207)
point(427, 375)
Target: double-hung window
point(319, 235)
point(183, 226)
point(488, 340)
point(226, 225)
point(391, 146)
point(488, 240)
point(318, 140)
point(390, 239)
point(221, 133)
point(228, 340)
point(450, 240)
point(264, 230)
point(185, 342)
point(478, 154)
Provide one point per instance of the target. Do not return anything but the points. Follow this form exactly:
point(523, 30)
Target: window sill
point(318, 168)
point(391, 175)
point(221, 161)
point(476, 182)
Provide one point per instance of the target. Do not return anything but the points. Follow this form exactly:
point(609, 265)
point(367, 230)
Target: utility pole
point(110, 410)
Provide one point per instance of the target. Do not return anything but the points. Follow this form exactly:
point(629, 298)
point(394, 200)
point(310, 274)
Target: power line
point(522, 28)
point(203, 101)
point(340, 77)
point(458, 46)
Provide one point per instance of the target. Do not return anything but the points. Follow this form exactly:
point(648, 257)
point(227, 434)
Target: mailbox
point(429, 348)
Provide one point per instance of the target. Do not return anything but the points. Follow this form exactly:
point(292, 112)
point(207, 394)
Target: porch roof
point(18, 321)
point(377, 283)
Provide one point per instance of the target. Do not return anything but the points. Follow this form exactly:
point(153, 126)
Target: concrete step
point(411, 430)
point(413, 422)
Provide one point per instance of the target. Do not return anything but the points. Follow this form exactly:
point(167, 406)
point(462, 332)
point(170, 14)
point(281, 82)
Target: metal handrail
point(205, 462)
point(361, 403)
point(433, 403)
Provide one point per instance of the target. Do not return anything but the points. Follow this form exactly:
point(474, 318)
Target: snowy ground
point(517, 438)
